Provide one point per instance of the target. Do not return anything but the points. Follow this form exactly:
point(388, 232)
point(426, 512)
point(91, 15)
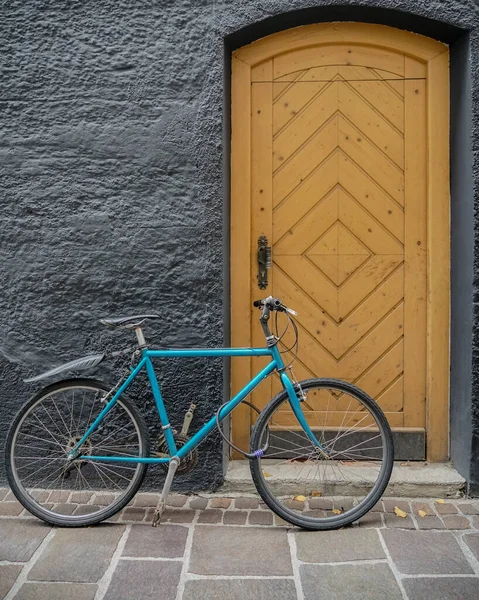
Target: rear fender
point(80, 364)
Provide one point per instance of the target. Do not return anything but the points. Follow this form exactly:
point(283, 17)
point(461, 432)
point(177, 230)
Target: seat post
point(140, 337)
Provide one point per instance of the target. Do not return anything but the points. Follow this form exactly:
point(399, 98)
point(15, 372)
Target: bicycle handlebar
point(271, 303)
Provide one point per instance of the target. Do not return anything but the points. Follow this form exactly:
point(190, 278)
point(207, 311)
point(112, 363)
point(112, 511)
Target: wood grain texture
point(343, 119)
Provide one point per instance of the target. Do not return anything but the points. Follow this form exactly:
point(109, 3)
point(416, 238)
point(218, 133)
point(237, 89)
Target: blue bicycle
point(321, 451)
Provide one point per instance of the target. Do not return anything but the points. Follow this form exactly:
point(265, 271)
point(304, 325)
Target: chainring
point(187, 463)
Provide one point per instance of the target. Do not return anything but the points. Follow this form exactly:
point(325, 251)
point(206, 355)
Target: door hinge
point(264, 261)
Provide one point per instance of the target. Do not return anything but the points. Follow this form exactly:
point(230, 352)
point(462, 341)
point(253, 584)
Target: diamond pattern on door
point(331, 144)
point(340, 158)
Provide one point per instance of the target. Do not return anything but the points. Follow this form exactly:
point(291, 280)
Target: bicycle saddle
point(132, 321)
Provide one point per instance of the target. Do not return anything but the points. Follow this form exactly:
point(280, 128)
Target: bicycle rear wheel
point(306, 487)
point(79, 492)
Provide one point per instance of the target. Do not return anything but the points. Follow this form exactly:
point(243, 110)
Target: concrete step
point(414, 479)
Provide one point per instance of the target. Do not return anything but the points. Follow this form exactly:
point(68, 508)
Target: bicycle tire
point(335, 521)
point(35, 507)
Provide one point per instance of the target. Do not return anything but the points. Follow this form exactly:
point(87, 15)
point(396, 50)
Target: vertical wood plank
point(415, 249)
point(262, 206)
point(240, 236)
point(438, 258)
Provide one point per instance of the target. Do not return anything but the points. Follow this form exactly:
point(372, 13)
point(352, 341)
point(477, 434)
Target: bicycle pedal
point(156, 519)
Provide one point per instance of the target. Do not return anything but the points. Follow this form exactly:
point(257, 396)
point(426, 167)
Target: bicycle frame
point(276, 363)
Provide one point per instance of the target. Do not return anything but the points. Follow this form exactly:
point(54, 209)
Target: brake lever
point(291, 311)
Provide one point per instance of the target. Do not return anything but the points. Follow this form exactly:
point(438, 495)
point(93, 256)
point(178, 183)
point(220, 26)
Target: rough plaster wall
point(111, 182)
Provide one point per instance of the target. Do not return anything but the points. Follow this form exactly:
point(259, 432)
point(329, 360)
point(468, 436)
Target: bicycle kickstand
point(173, 465)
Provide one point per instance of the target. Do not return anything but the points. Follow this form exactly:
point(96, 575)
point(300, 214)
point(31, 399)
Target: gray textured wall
point(112, 180)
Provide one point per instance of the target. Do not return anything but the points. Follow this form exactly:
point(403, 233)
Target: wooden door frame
point(436, 57)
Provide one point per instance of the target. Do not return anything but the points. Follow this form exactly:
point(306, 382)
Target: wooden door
point(339, 158)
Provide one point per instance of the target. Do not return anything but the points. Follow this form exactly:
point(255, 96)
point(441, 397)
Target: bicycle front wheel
point(323, 490)
point(79, 492)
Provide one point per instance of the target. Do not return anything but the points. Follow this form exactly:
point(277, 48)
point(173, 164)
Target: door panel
point(338, 183)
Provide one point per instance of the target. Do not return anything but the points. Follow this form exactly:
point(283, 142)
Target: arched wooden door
point(340, 159)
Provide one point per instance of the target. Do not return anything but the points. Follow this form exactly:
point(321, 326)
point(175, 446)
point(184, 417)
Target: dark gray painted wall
point(114, 157)
point(462, 255)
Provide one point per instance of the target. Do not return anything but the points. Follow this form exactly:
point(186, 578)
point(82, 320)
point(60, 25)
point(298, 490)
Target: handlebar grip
point(258, 303)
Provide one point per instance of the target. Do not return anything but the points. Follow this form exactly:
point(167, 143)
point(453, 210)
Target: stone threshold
point(409, 479)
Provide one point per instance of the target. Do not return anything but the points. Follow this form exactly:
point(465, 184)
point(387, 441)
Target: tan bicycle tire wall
point(340, 156)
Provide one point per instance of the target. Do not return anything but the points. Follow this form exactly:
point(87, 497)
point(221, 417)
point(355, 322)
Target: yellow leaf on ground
point(315, 494)
point(440, 501)
point(299, 498)
point(400, 513)
point(336, 511)
point(266, 474)
point(422, 513)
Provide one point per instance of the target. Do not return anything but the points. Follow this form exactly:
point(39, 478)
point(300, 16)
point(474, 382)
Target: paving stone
point(133, 513)
point(59, 496)
point(469, 508)
point(279, 522)
point(447, 588)
point(78, 556)
point(430, 523)
point(87, 509)
point(178, 515)
point(220, 502)
point(237, 589)
point(103, 499)
point(472, 540)
point(56, 591)
point(445, 509)
point(146, 500)
point(81, 497)
point(66, 509)
point(425, 552)
point(317, 514)
point(165, 541)
point(10, 496)
point(40, 495)
point(323, 503)
point(391, 503)
point(145, 579)
point(371, 519)
point(338, 582)
point(339, 546)
point(3, 493)
point(475, 522)
point(20, 538)
point(417, 506)
point(240, 551)
point(395, 522)
point(260, 517)
point(177, 500)
point(8, 575)
point(213, 515)
point(246, 503)
point(235, 517)
point(197, 503)
point(378, 507)
point(10, 509)
point(294, 504)
point(456, 522)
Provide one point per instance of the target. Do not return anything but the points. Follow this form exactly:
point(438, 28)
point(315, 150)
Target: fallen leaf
point(406, 464)
point(336, 511)
point(422, 513)
point(400, 513)
point(299, 498)
point(266, 474)
point(315, 494)
point(440, 501)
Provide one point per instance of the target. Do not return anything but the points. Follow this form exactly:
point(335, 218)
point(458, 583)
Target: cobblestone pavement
point(235, 548)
